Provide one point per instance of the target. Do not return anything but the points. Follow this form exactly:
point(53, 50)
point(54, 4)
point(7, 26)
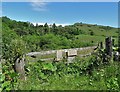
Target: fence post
point(19, 67)
point(59, 55)
point(108, 46)
point(101, 45)
point(113, 42)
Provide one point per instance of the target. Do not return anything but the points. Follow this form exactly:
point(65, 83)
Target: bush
point(91, 33)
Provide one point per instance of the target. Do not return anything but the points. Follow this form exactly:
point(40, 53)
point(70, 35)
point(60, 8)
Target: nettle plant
point(112, 84)
point(41, 69)
point(8, 77)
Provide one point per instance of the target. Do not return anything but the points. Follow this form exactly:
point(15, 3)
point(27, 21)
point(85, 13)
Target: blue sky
point(102, 13)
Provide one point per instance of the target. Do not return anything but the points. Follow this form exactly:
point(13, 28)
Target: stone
point(19, 67)
point(71, 53)
point(59, 55)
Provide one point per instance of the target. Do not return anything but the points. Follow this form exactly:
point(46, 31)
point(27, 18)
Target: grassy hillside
point(44, 37)
point(96, 33)
point(87, 73)
point(98, 30)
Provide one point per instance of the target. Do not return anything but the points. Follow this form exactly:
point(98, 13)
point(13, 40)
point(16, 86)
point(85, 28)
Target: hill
point(45, 37)
point(94, 72)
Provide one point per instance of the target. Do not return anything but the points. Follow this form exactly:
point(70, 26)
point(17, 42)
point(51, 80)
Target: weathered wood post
point(59, 55)
point(113, 42)
point(108, 46)
point(19, 67)
point(71, 54)
point(101, 45)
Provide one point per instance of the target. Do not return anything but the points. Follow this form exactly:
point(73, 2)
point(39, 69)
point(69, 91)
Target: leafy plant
point(112, 84)
point(49, 66)
point(8, 77)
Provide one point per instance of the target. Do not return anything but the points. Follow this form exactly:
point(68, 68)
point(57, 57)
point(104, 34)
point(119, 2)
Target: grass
point(85, 51)
point(98, 30)
point(39, 57)
point(63, 80)
point(93, 39)
point(67, 82)
point(46, 56)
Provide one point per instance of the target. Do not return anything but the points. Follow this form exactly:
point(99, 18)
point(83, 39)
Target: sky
point(64, 13)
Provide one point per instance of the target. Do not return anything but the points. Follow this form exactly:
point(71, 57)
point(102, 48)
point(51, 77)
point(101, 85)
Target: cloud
point(38, 5)
point(57, 24)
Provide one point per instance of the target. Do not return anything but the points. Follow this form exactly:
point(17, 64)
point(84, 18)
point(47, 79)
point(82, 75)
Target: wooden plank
point(72, 53)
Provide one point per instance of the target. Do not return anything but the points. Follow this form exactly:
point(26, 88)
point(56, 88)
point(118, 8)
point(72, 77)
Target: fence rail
point(54, 51)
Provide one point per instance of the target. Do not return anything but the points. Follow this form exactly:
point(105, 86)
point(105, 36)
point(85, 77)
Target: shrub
point(91, 33)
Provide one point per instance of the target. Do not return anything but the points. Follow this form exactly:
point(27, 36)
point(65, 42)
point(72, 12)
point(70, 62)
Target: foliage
point(33, 42)
point(8, 77)
point(7, 36)
point(50, 41)
point(58, 37)
point(60, 75)
point(90, 73)
point(112, 84)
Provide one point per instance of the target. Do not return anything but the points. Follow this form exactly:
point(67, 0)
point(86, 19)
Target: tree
point(18, 48)
point(37, 25)
point(54, 28)
point(46, 28)
point(32, 42)
point(7, 36)
point(21, 32)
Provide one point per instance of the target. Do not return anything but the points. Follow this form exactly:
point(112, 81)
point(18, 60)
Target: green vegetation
point(44, 37)
point(88, 73)
point(83, 74)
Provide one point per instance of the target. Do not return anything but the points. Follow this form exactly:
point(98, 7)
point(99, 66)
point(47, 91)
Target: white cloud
point(63, 24)
point(38, 5)
point(57, 24)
